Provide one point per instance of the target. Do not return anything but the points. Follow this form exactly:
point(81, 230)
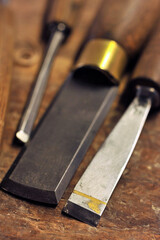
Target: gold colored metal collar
point(106, 55)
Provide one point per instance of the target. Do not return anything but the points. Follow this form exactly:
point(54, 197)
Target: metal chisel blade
point(94, 189)
point(56, 39)
point(43, 170)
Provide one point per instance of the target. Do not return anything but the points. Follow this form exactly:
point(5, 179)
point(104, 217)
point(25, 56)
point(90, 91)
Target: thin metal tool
point(59, 34)
point(55, 32)
point(94, 189)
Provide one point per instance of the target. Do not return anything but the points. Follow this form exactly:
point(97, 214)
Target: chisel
point(55, 33)
point(42, 171)
point(94, 189)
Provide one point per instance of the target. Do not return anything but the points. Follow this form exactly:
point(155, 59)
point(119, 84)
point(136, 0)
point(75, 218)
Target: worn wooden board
point(6, 61)
point(134, 209)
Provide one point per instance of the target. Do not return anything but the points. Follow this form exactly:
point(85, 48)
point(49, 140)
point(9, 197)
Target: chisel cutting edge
point(95, 187)
point(43, 170)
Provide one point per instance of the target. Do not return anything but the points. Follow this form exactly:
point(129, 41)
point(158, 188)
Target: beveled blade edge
point(28, 192)
point(102, 175)
point(81, 214)
point(25, 192)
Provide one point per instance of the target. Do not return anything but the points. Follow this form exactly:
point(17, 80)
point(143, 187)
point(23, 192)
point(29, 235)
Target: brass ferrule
point(106, 55)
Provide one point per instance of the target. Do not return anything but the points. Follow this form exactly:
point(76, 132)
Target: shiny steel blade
point(92, 192)
point(26, 125)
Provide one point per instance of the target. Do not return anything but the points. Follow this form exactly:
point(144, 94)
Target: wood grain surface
point(149, 64)
point(6, 61)
point(131, 23)
point(133, 212)
point(66, 11)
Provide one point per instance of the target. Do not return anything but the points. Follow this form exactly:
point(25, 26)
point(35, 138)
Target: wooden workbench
point(133, 212)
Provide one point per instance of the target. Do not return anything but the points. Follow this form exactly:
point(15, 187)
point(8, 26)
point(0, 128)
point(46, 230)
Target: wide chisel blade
point(43, 171)
point(94, 189)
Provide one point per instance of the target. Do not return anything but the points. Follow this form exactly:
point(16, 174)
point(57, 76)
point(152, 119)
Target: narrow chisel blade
point(43, 170)
point(94, 189)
